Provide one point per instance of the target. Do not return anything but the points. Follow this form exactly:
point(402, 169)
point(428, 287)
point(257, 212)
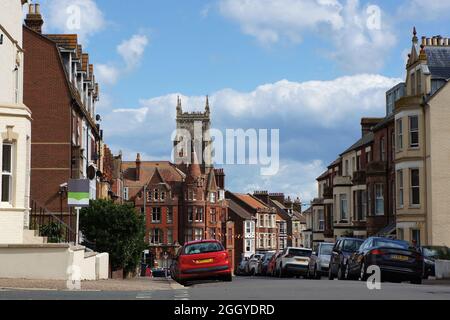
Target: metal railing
point(41, 218)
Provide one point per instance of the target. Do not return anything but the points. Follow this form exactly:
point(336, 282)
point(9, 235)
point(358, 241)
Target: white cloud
point(355, 41)
point(317, 120)
point(107, 74)
point(83, 17)
point(429, 10)
point(132, 50)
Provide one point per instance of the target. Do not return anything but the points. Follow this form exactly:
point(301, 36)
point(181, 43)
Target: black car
point(342, 250)
point(397, 260)
point(430, 254)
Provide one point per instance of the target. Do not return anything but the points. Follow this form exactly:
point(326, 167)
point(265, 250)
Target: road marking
point(145, 295)
point(182, 295)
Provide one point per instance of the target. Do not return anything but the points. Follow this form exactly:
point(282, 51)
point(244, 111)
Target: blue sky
point(311, 68)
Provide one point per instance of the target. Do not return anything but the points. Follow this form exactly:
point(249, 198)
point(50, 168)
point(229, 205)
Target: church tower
point(193, 136)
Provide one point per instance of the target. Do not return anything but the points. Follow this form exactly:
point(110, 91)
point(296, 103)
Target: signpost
point(78, 197)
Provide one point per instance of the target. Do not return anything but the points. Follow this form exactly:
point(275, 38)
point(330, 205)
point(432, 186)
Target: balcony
point(376, 168)
point(359, 178)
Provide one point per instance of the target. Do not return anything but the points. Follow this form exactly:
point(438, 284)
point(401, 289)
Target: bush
point(53, 231)
point(116, 229)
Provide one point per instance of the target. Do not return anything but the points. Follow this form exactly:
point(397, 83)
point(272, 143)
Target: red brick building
point(182, 201)
point(61, 91)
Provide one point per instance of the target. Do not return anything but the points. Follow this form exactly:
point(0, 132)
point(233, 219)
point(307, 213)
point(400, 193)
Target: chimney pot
point(429, 42)
point(38, 8)
point(424, 41)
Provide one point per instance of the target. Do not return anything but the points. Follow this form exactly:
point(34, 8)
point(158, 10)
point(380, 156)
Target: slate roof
point(438, 61)
point(366, 139)
point(236, 208)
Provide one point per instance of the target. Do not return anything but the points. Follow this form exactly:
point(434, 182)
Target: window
point(212, 197)
point(221, 194)
point(189, 235)
point(320, 220)
point(190, 194)
point(379, 199)
point(156, 236)
point(344, 206)
point(415, 236)
point(261, 240)
point(156, 195)
point(248, 245)
point(369, 200)
point(125, 193)
point(400, 188)
point(400, 234)
point(7, 174)
point(163, 195)
point(248, 227)
point(399, 128)
point(382, 149)
point(266, 220)
point(198, 234)
point(415, 187)
point(361, 205)
point(190, 214)
point(414, 131)
point(212, 213)
point(346, 168)
point(169, 236)
point(358, 163)
point(199, 215)
point(212, 233)
point(392, 146)
point(156, 215)
point(261, 220)
point(169, 214)
point(369, 155)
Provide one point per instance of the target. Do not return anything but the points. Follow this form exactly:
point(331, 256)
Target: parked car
point(430, 254)
point(160, 272)
point(264, 263)
point(342, 250)
point(271, 266)
point(201, 260)
point(293, 262)
point(320, 260)
point(252, 265)
point(241, 269)
point(397, 260)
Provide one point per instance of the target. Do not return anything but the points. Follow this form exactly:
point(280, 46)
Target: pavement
point(242, 288)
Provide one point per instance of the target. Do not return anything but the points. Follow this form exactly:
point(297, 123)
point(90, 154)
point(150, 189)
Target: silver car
point(252, 265)
point(320, 260)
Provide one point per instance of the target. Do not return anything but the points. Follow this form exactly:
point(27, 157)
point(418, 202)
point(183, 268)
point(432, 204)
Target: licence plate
point(203, 261)
point(301, 260)
point(400, 258)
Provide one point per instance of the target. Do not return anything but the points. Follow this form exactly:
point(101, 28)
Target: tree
point(116, 229)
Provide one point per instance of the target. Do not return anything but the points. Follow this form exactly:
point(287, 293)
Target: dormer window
point(212, 197)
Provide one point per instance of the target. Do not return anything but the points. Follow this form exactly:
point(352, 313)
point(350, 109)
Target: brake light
point(377, 252)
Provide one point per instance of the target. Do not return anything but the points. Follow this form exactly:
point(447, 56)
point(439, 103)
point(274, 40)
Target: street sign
point(78, 193)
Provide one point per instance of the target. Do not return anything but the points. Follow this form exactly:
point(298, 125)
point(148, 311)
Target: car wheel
point(330, 274)
point(341, 274)
point(363, 273)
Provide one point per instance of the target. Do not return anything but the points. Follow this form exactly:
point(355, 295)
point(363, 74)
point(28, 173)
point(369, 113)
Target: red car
point(201, 260)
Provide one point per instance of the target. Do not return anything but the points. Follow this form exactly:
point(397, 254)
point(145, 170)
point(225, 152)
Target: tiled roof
point(66, 41)
point(167, 170)
point(438, 61)
point(251, 201)
point(85, 62)
point(240, 211)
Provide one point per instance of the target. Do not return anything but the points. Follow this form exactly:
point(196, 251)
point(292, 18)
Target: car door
point(334, 260)
point(355, 258)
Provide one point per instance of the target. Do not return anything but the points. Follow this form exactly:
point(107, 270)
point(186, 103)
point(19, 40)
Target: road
point(247, 288)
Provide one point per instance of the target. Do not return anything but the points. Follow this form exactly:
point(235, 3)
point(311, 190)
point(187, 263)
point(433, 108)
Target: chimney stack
point(138, 167)
point(34, 20)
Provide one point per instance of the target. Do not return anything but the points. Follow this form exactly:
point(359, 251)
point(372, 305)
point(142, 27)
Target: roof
point(281, 209)
point(66, 41)
point(438, 61)
point(168, 171)
point(366, 139)
point(251, 201)
point(240, 211)
point(323, 175)
point(335, 162)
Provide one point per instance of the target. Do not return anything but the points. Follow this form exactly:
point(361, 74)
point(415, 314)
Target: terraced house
point(61, 91)
point(422, 130)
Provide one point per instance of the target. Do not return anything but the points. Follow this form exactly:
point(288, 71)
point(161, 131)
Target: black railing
point(49, 225)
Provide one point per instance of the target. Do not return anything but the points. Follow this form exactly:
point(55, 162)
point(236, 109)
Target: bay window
point(414, 131)
point(7, 172)
point(399, 128)
point(344, 206)
point(379, 199)
point(415, 187)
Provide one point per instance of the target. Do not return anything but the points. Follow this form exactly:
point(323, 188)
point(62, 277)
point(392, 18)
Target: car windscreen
point(326, 249)
point(352, 245)
point(202, 247)
point(267, 257)
point(436, 252)
point(391, 244)
point(300, 252)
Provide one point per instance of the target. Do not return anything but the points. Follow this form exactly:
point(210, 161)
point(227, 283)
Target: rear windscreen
point(203, 247)
point(300, 252)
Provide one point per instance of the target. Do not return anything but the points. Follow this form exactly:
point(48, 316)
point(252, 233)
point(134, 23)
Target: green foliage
point(116, 229)
point(53, 231)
